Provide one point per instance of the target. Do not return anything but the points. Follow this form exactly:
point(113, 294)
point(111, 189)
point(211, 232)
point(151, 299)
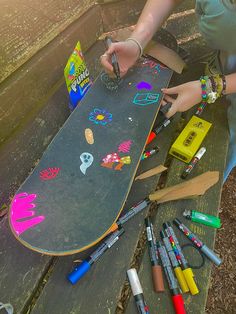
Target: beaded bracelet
point(224, 84)
point(203, 81)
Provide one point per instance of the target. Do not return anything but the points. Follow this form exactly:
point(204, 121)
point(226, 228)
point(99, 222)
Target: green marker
point(201, 218)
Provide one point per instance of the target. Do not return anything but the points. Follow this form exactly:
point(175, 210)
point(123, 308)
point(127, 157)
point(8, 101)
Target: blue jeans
point(228, 64)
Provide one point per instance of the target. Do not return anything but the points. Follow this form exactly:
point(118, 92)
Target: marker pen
point(114, 60)
point(177, 269)
point(80, 270)
point(193, 162)
point(157, 130)
point(202, 218)
point(187, 271)
point(200, 245)
point(176, 296)
point(137, 291)
point(150, 153)
point(130, 213)
point(157, 278)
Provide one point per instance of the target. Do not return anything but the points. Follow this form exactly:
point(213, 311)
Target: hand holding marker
point(175, 292)
point(84, 267)
point(187, 271)
point(114, 60)
point(156, 268)
point(177, 269)
point(200, 245)
point(137, 291)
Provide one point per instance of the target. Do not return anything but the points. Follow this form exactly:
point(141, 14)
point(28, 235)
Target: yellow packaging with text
point(190, 139)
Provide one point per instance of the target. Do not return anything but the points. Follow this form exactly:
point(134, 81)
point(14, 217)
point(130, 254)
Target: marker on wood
point(150, 152)
point(199, 244)
point(187, 271)
point(176, 296)
point(157, 278)
point(80, 270)
point(193, 162)
point(137, 291)
point(177, 269)
point(157, 130)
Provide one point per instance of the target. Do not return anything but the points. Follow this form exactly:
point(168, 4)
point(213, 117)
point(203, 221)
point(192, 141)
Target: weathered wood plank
point(216, 143)
point(20, 270)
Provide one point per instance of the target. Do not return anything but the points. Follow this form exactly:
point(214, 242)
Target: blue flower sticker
point(100, 116)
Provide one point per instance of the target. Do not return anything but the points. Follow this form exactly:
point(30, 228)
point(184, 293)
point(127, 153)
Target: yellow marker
point(190, 139)
point(188, 275)
point(181, 279)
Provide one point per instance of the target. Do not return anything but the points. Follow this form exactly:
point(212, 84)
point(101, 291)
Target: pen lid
point(178, 303)
point(201, 152)
point(134, 281)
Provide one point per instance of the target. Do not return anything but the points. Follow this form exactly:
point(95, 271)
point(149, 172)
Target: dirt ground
point(222, 293)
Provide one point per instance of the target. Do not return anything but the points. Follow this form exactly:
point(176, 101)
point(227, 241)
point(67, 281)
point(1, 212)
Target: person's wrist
point(137, 44)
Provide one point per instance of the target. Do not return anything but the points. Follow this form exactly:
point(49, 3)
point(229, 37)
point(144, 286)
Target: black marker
point(157, 278)
point(114, 60)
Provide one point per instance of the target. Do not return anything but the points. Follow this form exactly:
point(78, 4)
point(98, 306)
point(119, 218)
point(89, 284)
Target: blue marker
point(84, 267)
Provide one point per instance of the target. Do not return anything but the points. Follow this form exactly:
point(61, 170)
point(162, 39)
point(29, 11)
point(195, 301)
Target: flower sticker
point(100, 116)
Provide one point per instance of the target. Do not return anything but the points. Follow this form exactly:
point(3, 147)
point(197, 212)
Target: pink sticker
point(124, 147)
point(20, 209)
point(49, 173)
point(114, 157)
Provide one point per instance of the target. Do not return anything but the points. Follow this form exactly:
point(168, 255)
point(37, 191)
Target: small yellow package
point(76, 76)
point(190, 139)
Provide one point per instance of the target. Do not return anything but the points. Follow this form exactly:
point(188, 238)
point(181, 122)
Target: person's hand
point(127, 54)
point(188, 95)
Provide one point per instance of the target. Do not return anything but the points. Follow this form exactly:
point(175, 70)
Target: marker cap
point(134, 281)
point(188, 275)
point(157, 277)
point(200, 153)
point(78, 272)
point(151, 137)
point(181, 280)
point(178, 303)
point(211, 255)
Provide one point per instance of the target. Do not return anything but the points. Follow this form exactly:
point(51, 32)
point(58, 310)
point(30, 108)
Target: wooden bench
point(36, 284)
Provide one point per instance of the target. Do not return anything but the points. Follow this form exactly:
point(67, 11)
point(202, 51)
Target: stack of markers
point(178, 273)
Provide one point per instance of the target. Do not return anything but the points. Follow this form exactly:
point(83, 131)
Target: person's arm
point(190, 94)
point(152, 17)
point(154, 14)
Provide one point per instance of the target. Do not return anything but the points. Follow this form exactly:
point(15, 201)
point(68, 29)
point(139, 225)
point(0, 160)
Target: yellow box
point(190, 139)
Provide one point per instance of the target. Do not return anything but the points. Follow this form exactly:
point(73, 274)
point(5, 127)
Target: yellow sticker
point(89, 136)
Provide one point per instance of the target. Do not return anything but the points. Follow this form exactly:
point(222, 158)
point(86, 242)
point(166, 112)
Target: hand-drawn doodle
point(144, 85)
point(145, 99)
point(89, 136)
point(114, 161)
point(21, 208)
point(87, 160)
point(49, 173)
point(100, 116)
point(124, 147)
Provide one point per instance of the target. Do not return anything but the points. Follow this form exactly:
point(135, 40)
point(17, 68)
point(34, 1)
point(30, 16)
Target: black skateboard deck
point(81, 183)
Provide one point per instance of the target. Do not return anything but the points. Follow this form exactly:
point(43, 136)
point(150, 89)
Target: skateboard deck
point(79, 187)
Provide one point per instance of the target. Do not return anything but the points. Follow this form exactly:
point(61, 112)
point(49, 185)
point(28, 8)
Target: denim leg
point(229, 65)
point(231, 156)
